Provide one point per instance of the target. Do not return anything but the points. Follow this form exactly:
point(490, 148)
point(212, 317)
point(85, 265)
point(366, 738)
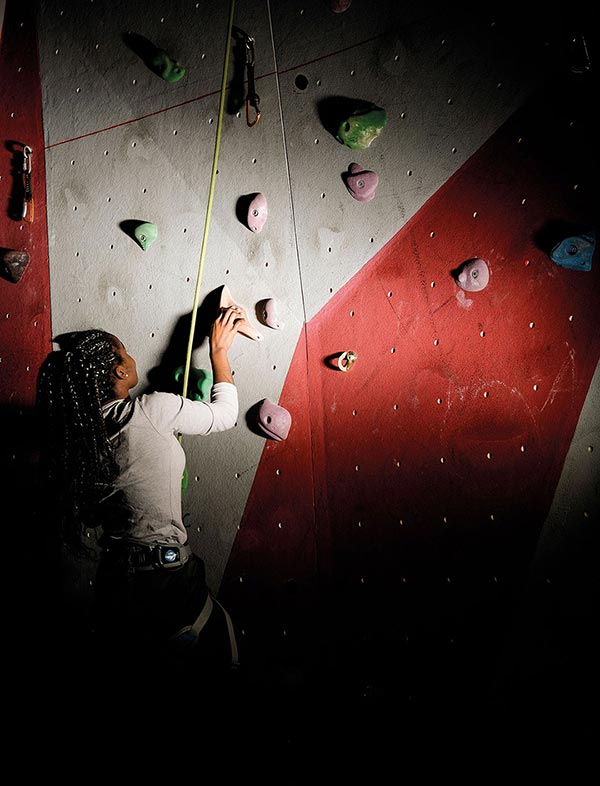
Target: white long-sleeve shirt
point(151, 460)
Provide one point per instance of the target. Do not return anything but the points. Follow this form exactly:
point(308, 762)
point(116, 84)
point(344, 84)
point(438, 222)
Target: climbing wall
point(412, 489)
point(435, 458)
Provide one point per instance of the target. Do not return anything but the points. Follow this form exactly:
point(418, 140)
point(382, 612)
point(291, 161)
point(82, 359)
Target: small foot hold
point(273, 420)
point(362, 126)
point(157, 60)
point(361, 183)
point(14, 264)
point(165, 66)
point(473, 275)
point(575, 252)
point(346, 360)
point(339, 6)
point(145, 234)
point(269, 313)
point(257, 213)
point(244, 325)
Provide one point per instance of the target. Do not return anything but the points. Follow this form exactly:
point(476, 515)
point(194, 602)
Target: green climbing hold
point(145, 234)
point(200, 382)
point(184, 479)
point(164, 65)
point(362, 127)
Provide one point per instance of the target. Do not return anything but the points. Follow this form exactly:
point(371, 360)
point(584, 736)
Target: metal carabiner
point(252, 97)
point(252, 102)
point(27, 213)
point(27, 153)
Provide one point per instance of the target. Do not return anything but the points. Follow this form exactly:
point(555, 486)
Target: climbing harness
point(189, 635)
point(148, 556)
point(27, 214)
point(252, 97)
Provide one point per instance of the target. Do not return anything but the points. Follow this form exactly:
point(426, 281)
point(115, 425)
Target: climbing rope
point(211, 193)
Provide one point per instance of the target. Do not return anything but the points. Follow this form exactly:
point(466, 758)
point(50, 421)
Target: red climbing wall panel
point(434, 460)
point(25, 315)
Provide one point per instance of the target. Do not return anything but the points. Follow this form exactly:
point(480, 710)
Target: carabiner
point(27, 153)
point(252, 102)
point(27, 213)
point(252, 97)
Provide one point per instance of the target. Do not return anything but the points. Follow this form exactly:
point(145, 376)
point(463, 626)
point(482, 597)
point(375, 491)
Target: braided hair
point(77, 459)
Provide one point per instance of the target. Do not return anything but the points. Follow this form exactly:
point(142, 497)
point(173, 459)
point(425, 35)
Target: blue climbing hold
point(575, 252)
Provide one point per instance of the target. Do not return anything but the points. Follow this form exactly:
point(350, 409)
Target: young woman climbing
point(115, 463)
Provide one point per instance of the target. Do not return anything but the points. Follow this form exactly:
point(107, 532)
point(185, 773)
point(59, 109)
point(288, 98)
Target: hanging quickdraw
point(252, 97)
point(28, 204)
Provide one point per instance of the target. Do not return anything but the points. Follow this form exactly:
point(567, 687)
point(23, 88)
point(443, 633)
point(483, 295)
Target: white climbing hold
point(270, 314)
point(243, 324)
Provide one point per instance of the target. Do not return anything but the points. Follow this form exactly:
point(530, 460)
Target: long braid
point(78, 458)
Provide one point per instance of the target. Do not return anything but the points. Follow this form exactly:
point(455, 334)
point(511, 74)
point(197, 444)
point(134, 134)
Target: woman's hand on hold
point(225, 328)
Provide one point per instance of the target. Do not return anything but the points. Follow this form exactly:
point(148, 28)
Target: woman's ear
point(120, 372)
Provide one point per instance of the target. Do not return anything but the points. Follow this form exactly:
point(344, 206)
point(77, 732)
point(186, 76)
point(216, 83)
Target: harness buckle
point(168, 556)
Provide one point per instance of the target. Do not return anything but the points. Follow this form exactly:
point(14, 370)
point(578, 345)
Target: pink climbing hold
point(339, 6)
point(271, 314)
point(257, 213)
point(274, 420)
point(361, 183)
point(473, 275)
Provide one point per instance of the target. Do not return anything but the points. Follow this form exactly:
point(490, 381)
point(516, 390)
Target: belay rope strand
point(208, 606)
point(211, 194)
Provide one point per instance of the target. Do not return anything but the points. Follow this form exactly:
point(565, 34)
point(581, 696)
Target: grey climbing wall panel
point(446, 82)
point(123, 145)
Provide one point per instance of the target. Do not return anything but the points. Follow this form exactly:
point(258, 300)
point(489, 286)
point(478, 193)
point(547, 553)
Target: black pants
point(137, 613)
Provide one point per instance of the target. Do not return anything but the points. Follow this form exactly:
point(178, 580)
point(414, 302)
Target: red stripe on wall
point(433, 461)
point(25, 311)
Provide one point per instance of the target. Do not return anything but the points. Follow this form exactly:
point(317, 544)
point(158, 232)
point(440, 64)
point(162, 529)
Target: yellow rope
point(211, 194)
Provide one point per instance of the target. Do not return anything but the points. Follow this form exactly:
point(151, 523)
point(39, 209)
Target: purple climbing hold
point(473, 275)
point(339, 6)
point(270, 314)
point(361, 183)
point(274, 421)
point(257, 213)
